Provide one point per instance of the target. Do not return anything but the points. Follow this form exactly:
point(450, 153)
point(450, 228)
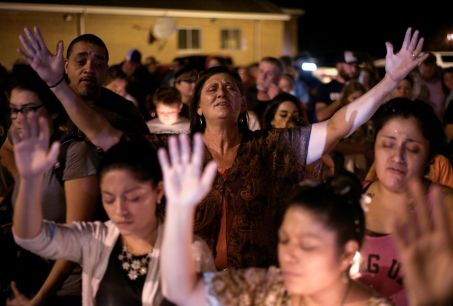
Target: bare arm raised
point(325, 135)
point(185, 186)
point(50, 68)
point(33, 158)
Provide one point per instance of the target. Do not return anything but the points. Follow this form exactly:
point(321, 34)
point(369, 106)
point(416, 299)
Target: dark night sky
point(365, 26)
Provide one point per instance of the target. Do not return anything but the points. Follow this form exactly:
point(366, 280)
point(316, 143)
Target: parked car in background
point(444, 58)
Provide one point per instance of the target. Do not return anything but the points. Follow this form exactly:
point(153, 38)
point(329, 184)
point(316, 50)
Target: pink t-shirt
point(381, 266)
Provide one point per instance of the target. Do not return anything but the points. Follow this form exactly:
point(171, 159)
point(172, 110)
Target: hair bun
point(347, 185)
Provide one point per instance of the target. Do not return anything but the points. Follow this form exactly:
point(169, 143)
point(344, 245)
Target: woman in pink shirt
point(408, 137)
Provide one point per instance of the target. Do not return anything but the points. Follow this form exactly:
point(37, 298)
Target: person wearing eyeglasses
point(185, 80)
point(71, 192)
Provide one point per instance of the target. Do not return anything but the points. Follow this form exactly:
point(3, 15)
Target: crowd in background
point(266, 127)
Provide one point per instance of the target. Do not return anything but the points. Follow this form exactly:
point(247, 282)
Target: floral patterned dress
point(254, 286)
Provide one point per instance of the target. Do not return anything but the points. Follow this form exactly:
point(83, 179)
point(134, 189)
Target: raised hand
point(50, 67)
point(425, 246)
point(185, 181)
point(31, 149)
point(397, 66)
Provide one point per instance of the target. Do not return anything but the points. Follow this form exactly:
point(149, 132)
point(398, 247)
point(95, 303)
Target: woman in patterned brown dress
point(321, 232)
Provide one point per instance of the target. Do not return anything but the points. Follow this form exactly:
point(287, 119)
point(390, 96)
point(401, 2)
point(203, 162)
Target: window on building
point(230, 39)
point(189, 39)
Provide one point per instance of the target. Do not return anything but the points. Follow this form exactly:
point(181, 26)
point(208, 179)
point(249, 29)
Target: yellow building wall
point(52, 25)
point(270, 36)
point(120, 33)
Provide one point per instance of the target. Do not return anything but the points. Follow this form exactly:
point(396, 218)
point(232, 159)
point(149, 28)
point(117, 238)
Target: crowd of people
point(274, 193)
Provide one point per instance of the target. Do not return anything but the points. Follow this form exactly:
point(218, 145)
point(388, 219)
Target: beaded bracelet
point(58, 83)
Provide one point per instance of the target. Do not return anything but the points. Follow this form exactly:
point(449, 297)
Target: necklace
point(135, 266)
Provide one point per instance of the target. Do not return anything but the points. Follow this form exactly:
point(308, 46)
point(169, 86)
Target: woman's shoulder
point(250, 277)
point(278, 137)
point(369, 296)
point(258, 286)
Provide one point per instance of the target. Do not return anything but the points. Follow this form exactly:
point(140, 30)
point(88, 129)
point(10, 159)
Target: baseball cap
point(347, 57)
point(133, 55)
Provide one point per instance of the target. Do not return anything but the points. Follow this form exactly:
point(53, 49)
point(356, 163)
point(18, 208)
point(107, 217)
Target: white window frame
point(189, 39)
point(229, 32)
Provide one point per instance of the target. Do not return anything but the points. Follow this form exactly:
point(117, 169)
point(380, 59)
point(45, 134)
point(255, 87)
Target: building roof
point(154, 7)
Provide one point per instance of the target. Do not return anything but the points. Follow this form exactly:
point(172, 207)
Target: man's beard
point(89, 93)
point(344, 76)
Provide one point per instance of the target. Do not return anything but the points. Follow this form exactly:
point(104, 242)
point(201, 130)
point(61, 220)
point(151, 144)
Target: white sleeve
point(317, 143)
point(58, 241)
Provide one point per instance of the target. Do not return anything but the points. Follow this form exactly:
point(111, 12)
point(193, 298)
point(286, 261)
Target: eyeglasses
point(24, 110)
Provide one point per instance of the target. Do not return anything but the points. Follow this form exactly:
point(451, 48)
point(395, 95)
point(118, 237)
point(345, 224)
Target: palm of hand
point(49, 67)
point(432, 263)
point(186, 182)
point(31, 150)
point(425, 245)
point(31, 157)
point(400, 64)
point(183, 186)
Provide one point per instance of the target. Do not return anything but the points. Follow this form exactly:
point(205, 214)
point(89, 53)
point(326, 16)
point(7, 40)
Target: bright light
point(450, 37)
point(309, 66)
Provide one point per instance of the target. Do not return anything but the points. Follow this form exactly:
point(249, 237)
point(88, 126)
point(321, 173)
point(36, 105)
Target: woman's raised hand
point(186, 182)
point(50, 67)
point(31, 147)
point(398, 65)
point(425, 245)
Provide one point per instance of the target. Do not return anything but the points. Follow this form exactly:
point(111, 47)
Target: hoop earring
point(201, 121)
point(242, 118)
